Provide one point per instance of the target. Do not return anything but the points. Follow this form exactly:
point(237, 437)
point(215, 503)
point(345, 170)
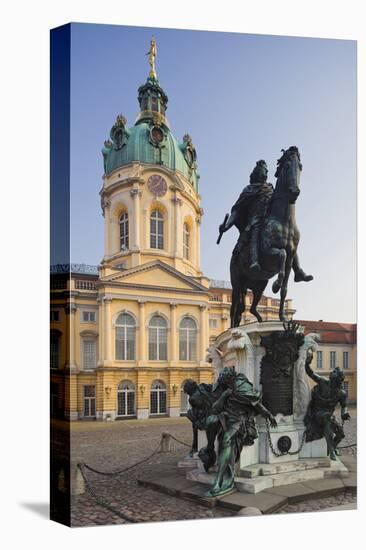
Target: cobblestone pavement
point(314, 505)
point(112, 446)
point(121, 444)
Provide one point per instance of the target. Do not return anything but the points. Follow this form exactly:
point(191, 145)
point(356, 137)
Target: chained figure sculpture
point(201, 399)
point(233, 422)
point(325, 396)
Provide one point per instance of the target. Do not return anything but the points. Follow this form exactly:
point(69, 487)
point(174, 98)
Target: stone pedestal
point(260, 468)
point(241, 347)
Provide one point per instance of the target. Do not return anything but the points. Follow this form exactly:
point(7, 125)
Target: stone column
point(142, 334)
point(174, 394)
point(107, 329)
point(173, 344)
point(198, 243)
point(203, 340)
point(70, 310)
point(100, 331)
point(70, 388)
point(106, 204)
point(178, 246)
point(142, 394)
point(136, 194)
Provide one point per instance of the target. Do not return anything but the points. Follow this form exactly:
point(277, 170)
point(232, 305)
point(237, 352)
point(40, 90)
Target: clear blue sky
point(241, 97)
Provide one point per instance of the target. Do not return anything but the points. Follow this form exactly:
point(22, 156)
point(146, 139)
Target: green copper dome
point(150, 140)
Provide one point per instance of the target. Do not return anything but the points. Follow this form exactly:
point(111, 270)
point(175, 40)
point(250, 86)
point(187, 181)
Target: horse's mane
point(286, 155)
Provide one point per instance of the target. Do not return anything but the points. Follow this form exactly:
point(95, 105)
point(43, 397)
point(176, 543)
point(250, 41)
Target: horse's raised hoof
point(301, 276)
point(276, 287)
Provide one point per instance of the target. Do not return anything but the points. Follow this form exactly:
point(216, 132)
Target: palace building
point(126, 334)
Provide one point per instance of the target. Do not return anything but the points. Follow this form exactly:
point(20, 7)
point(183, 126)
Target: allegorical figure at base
point(233, 422)
point(325, 396)
point(201, 398)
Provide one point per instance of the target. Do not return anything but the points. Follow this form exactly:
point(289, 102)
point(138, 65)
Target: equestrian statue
point(269, 237)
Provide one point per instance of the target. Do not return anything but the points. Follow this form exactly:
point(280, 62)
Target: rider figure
point(249, 212)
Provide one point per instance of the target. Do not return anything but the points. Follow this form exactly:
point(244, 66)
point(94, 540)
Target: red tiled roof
point(332, 333)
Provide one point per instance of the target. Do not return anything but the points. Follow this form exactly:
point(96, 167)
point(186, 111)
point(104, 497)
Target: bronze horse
point(278, 244)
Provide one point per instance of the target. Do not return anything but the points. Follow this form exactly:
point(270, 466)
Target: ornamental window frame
point(126, 334)
point(55, 349)
point(158, 398)
point(89, 401)
point(158, 338)
point(86, 316)
point(55, 316)
point(126, 399)
point(124, 235)
point(186, 241)
point(87, 337)
point(156, 230)
point(188, 339)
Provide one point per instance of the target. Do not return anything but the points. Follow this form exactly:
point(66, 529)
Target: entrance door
point(89, 401)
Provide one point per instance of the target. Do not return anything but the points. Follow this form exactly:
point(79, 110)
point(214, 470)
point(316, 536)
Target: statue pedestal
point(241, 347)
point(262, 465)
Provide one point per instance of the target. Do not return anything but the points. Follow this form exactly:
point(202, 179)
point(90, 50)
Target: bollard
point(77, 482)
point(165, 442)
point(77, 486)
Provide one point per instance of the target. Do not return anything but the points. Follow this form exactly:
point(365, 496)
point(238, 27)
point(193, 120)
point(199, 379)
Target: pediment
point(156, 274)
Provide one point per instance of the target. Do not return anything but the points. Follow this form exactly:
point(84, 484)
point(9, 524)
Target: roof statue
point(152, 55)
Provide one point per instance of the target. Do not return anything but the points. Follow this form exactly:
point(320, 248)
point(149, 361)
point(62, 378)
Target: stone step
point(256, 470)
point(324, 468)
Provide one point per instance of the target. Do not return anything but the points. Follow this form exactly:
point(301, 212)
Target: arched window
point(125, 337)
point(156, 230)
point(126, 398)
point(55, 349)
point(123, 231)
point(158, 397)
point(54, 395)
point(187, 340)
point(158, 339)
point(186, 242)
point(184, 400)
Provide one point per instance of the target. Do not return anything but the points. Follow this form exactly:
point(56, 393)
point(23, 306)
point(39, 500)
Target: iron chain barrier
point(164, 446)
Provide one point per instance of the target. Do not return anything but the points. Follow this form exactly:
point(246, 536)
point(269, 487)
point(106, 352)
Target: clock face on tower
point(157, 185)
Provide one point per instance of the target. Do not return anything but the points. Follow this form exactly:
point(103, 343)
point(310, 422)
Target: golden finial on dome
point(152, 54)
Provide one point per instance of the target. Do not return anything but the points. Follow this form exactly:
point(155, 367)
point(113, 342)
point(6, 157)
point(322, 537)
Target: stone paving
point(117, 445)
